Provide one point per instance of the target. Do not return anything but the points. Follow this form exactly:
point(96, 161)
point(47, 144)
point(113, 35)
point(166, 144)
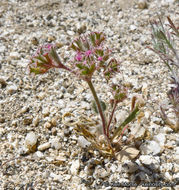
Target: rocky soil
point(37, 151)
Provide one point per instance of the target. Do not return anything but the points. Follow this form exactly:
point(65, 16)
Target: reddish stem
point(123, 131)
point(108, 126)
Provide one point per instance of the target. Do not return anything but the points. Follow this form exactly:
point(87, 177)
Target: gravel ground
point(37, 151)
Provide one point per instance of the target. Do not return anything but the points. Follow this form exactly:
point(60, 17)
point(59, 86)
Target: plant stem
point(61, 66)
point(98, 105)
point(108, 126)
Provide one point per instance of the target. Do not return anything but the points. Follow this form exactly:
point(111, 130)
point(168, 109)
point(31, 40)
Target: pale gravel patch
point(36, 104)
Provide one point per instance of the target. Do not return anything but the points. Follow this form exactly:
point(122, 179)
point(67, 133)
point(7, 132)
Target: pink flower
point(78, 57)
point(88, 53)
point(100, 58)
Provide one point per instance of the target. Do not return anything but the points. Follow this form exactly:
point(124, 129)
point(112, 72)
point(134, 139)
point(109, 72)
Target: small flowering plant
point(90, 55)
point(164, 45)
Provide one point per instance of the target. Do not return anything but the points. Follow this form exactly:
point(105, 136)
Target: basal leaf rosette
point(44, 59)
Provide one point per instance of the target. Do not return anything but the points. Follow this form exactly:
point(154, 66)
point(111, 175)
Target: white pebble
point(14, 55)
point(46, 111)
point(44, 146)
point(133, 27)
point(151, 147)
point(151, 161)
point(160, 138)
point(30, 141)
point(39, 154)
point(2, 49)
point(56, 177)
point(168, 176)
point(100, 173)
point(11, 89)
point(83, 142)
point(75, 167)
point(70, 33)
point(55, 144)
point(35, 121)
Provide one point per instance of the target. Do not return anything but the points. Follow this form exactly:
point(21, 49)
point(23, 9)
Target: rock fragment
point(44, 146)
point(31, 141)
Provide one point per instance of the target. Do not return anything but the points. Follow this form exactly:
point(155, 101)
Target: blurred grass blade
point(132, 116)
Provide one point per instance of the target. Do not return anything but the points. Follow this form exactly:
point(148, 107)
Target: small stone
point(150, 161)
point(133, 28)
point(121, 116)
point(166, 2)
point(31, 141)
point(113, 168)
point(35, 121)
point(41, 95)
point(14, 55)
point(81, 29)
point(70, 33)
point(138, 131)
point(177, 150)
point(130, 167)
point(59, 45)
point(39, 154)
point(11, 89)
point(55, 144)
point(44, 146)
point(61, 157)
point(3, 82)
point(23, 110)
point(176, 177)
point(54, 131)
point(83, 142)
point(51, 38)
point(145, 89)
point(142, 4)
point(160, 138)
point(47, 125)
point(35, 41)
point(127, 153)
point(176, 158)
point(49, 17)
point(27, 121)
point(150, 147)
point(56, 177)
point(46, 111)
point(2, 119)
point(75, 167)
point(100, 173)
point(54, 121)
point(168, 176)
point(2, 48)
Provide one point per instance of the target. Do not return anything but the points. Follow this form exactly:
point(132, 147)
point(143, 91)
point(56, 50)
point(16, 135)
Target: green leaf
point(92, 68)
point(75, 48)
point(102, 103)
point(131, 116)
point(54, 55)
point(92, 38)
point(37, 71)
point(79, 44)
point(85, 72)
point(41, 58)
point(80, 66)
